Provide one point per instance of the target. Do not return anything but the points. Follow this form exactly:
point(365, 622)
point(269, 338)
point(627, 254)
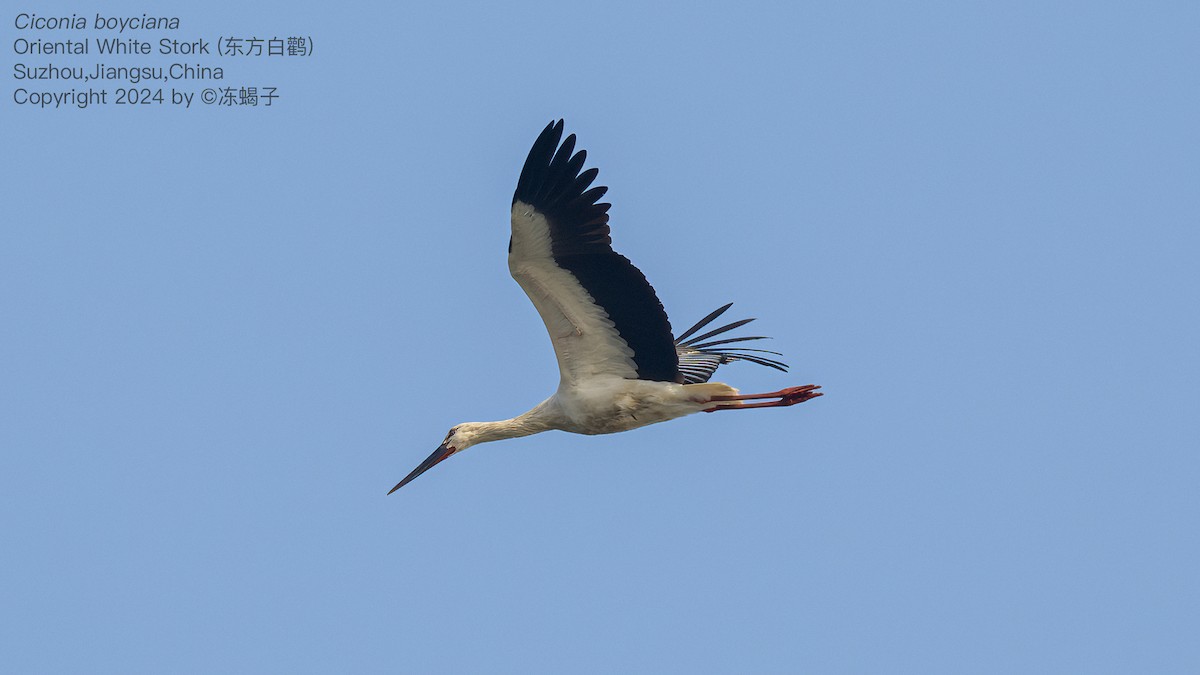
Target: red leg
point(787, 397)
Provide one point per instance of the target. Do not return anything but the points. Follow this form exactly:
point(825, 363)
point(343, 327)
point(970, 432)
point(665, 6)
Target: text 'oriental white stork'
point(620, 366)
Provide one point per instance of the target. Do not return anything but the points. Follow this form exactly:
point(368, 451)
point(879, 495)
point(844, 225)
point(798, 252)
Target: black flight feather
point(698, 360)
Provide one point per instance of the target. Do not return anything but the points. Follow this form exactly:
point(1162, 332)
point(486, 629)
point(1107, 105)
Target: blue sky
point(227, 333)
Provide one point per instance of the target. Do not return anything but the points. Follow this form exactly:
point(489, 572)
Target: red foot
point(794, 395)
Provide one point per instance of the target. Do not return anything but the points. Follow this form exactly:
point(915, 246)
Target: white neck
point(533, 422)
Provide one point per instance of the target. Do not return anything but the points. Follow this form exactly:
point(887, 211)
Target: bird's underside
point(612, 407)
point(620, 366)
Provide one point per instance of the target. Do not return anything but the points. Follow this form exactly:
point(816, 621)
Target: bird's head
point(459, 438)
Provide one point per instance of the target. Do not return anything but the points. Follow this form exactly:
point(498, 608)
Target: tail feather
point(705, 391)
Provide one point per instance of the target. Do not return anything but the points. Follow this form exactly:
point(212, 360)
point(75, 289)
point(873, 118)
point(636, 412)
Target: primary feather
point(698, 360)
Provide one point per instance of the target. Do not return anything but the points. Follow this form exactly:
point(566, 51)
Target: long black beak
point(438, 455)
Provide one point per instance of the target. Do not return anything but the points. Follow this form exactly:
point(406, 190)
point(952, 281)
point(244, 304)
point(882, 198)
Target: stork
point(620, 367)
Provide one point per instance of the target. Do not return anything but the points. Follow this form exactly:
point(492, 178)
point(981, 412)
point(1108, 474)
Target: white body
point(599, 405)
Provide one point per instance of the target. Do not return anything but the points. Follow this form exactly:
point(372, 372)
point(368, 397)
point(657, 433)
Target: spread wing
point(602, 315)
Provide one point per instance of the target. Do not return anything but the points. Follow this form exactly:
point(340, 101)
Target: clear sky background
point(226, 333)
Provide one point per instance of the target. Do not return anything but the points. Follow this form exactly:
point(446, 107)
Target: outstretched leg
point(789, 396)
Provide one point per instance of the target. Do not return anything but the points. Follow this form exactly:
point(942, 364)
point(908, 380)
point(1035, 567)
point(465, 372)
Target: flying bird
point(620, 366)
